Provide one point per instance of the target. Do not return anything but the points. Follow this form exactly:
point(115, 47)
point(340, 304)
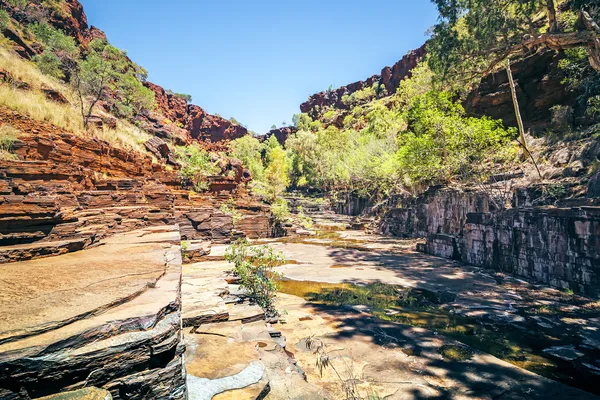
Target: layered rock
point(538, 81)
point(554, 246)
point(199, 124)
point(125, 337)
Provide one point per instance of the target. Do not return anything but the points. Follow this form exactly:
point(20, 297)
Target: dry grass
point(27, 71)
point(35, 105)
point(126, 136)
point(8, 137)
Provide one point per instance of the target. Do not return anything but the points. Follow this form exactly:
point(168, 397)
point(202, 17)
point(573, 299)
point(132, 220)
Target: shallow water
point(518, 346)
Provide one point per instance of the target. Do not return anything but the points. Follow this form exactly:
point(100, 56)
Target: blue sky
point(258, 60)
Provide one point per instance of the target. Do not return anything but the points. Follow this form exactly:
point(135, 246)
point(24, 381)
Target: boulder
point(54, 95)
point(161, 150)
point(593, 189)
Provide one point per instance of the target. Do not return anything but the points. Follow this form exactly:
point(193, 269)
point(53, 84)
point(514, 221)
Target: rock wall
point(538, 81)
point(125, 336)
point(79, 203)
point(554, 246)
point(198, 124)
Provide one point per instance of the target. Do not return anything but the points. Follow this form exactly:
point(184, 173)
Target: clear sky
point(257, 60)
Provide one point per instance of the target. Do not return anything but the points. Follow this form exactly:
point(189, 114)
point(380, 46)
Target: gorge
point(398, 241)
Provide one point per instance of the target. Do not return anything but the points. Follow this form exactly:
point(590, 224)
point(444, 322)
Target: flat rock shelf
point(108, 316)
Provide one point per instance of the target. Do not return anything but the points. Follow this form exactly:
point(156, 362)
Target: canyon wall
point(554, 246)
point(538, 79)
point(390, 78)
point(102, 228)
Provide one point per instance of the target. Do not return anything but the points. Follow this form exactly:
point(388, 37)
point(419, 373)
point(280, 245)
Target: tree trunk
point(513, 92)
point(522, 140)
point(552, 22)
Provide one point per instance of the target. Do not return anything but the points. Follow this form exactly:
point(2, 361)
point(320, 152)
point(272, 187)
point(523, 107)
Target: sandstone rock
point(82, 394)
point(173, 107)
point(203, 126)
point(8, 78)
point(567, 353)
point(281, 134)
point(22, 48)
point(593, 189)
point(161, 150)
point(54, 95)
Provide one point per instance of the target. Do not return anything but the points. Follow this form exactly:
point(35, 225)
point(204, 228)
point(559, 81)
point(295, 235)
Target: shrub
point(132, 97)
point(54, 39)
point(186, 97)
point(196, 166)
point(50, 64)
point(8, 137)
point(255, 267)
point(280, 211)
point(303, 219)
point(4, 19)
point(248, 150)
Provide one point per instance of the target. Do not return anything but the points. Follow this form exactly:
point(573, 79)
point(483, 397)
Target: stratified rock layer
point(555, 246)
point(115, 320)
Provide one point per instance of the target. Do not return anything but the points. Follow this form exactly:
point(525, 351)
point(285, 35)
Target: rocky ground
point(331, 347)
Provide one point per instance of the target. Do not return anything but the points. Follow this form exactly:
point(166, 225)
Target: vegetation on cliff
point(380, 144)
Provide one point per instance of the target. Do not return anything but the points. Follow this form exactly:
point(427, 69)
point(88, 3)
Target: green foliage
point(416, 137)
point(196, 166)
point(132, 96)
point(8, 137)
point(4, 19)
point(107, 69)
point(276, 179)
point(50, 64)
point(186, 97)
point(54, 39)
point(304, 219)
point(582, 78)
point(255, 267)
point(280, 211)
point(361, 96)
point(17, 3)
point(248, 150)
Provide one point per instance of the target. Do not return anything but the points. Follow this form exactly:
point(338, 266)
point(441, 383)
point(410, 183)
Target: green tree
point(132, 96)
point(472, 37)
point(196, 166)
point(276, 179)
point(248, 150)
point(56, 40)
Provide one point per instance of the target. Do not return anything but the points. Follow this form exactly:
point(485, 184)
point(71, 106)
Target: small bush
point(186, 97)
point(196, 166)
point(255, 267)
point(8, 137)
point(280, 211)
point(54, 39)
point(4, 20)
point(303, 219)
point(49, 64)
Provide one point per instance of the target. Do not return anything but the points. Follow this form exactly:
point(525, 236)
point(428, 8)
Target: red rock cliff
point(390, 78)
